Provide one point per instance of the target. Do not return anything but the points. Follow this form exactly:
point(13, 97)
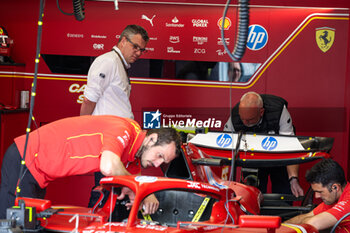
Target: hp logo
point(257, 37)
point(269, 143)
point(223, 140)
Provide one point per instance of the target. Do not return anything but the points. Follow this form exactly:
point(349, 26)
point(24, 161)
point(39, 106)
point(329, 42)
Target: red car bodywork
point(230, 206)
point(79, 219)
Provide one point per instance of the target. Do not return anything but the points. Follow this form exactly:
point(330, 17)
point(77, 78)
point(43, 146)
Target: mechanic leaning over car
point(328, 181)
point(80, 145)
point(261, 113)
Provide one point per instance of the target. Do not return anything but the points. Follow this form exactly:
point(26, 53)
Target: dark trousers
point(94, 196)
point(278, 177)
point(10, 170)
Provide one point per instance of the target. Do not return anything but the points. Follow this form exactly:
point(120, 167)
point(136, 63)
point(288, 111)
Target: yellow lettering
point(80, 99)
point(82, 88)
point(75, 88)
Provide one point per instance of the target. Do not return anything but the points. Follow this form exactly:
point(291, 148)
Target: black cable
point(78, 6)
point(58, 6)
point(78, 9)
point(33, 92)
point(338, 222)
point(240, 45)
point(79, 15)
point(243, 29)
point(233, 163)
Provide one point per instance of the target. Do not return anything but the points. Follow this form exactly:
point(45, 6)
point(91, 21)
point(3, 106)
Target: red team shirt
point(73, 146)
point(338, 210)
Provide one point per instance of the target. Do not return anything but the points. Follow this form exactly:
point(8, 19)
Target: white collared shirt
point(108, 85)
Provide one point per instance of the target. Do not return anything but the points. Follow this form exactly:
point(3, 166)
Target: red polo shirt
point(338, 210)
point(73, 146)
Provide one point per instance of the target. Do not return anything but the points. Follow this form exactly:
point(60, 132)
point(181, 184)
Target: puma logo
point(148, 19)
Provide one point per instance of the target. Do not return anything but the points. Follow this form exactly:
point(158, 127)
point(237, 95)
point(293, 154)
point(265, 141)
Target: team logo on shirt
point(151, 120)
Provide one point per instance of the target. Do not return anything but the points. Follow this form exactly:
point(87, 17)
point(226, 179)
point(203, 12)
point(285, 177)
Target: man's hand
point(150, 204)
point(127, 192)
point(293, 171)
point(296, 188)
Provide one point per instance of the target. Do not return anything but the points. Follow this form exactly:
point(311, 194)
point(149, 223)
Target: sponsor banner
point(190, 30)
point(174, 33)
point(201, 23)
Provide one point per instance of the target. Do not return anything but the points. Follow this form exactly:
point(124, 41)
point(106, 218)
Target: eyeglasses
point(135, 46)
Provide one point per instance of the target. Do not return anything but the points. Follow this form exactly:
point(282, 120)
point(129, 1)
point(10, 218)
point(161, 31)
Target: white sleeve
point(286, 124)
point(99, 73)
point(228, 126)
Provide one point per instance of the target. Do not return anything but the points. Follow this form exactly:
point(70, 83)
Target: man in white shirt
point(108, 85)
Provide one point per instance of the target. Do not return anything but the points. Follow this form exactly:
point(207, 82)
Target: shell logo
point(227, 23)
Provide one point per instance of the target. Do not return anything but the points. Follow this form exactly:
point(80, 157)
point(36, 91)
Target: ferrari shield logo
point(325, 38)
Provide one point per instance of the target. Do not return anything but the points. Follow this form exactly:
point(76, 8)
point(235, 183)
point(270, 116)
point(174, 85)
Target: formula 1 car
point(252, 151)
point(192, 197)
point(185, 206)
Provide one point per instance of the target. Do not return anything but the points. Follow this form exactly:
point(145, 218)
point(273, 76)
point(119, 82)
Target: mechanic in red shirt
point(81, 145)
point(328, 181)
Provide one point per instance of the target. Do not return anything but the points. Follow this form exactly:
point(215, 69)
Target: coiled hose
point(78, 6)
point(243, 29)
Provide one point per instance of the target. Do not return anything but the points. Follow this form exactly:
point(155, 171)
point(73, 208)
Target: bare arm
point(111, 165)
point(320, 221)
point(150, 204)
point(87, 107)
point(286, 128)
point(300, 219)
point(293, 170)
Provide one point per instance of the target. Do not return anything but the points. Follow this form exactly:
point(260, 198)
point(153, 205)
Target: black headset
point(331, 187)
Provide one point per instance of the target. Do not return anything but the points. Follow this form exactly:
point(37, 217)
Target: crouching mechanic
point(80, 145)
point(328, 181)
point(261, 113)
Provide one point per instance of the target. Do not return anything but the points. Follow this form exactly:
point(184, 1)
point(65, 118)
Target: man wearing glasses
point(108, 86)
